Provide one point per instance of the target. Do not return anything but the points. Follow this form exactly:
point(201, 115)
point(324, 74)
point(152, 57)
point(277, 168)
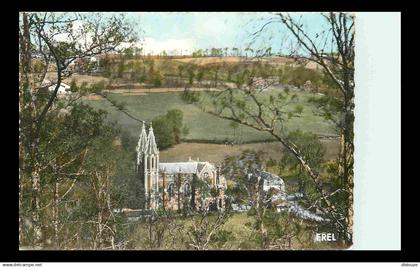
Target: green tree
point(199, 75)
point(157, 79)
point(191, 73)
point(181, 69)
point(190, 96)
point(120, 69)
point(169, 128)
point(313, 151)
point(105, 64)
point(73, 86)
point(163, 132)
point(39, 112)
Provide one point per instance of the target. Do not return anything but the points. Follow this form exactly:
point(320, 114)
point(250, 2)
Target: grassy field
point(217, 152)
point(202, 126)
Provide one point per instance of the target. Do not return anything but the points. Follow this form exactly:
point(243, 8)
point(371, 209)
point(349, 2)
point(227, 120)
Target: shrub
point(191, 96)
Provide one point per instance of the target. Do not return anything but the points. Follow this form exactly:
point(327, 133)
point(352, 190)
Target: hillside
point(202, 126)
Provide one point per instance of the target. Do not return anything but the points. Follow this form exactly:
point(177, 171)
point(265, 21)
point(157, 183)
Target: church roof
point(182, 167)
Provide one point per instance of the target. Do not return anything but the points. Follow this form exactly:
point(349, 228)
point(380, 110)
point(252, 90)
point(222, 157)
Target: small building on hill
point(63, 89)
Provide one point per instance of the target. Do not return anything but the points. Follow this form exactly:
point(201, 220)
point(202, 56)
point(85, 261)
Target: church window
point(187, 190)
point(171, 190)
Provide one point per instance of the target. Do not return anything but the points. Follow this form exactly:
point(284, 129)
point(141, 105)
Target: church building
point(177, 185)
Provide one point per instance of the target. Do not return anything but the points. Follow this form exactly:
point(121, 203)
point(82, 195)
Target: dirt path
point(93, 97)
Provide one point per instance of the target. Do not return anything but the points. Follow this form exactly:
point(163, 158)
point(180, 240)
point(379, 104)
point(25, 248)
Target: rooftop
point(182, 167)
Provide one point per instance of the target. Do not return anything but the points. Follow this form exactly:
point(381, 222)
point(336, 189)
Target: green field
point(216, 153)
point(202, 126)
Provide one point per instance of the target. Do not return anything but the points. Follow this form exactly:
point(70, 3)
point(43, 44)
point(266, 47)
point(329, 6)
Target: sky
point(185, 32)
point(189, 31)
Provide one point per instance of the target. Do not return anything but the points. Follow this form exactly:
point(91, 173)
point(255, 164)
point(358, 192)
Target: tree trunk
point(20, 207)
point(260, 216)
point(36, 224)
point(25, 81)
point(55, 212)
point(347, 175)
point(113, 226)
point(108, 202)
point(347, 157)
point(100, 212)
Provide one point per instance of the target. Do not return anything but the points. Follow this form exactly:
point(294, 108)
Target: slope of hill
point(203, 127)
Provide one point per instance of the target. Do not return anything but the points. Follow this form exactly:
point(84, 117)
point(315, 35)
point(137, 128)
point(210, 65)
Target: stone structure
point(175, 185)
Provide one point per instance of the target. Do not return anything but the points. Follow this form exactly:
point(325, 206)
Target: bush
point(157, 79)
point(73, 86)
point(221, 237)
point(191, 96)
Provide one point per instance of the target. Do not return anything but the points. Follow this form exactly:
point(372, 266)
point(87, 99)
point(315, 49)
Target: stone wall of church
point(177, 191)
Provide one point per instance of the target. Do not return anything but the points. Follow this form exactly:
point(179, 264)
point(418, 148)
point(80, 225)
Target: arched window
point(187, 189)
point(147, 163)
point(206, 177)
point(171, 190)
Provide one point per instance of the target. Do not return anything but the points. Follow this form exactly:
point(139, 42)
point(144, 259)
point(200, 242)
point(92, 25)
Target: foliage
point(65, 152)
point(169, 128)
point(310, 147)
point(190, 96)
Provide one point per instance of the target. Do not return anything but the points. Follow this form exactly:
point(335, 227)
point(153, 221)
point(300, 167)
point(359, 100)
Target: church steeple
point(148, 166)
point(152, 169)
point(151, 148)
point(142, 144)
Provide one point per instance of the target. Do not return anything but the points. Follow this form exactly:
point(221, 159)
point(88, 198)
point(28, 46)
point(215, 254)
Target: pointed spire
point(151, 142)
point(142, 144)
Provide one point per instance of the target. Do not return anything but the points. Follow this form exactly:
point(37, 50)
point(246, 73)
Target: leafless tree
point(338, 64)
point(249, 106)
point(204, 227)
